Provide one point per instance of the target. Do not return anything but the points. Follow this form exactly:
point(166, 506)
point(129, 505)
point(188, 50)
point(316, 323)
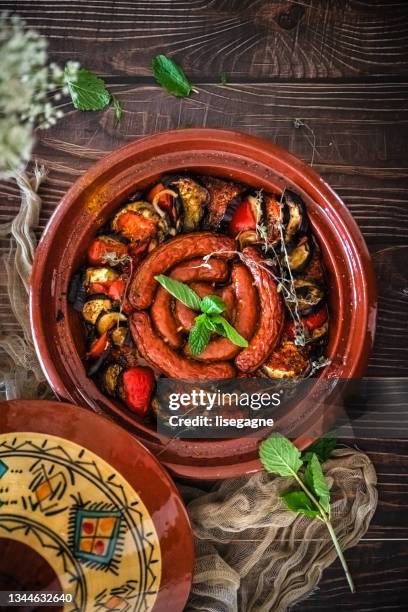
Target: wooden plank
point(267, 39)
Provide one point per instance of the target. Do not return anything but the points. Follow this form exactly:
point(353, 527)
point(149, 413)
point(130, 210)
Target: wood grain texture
point(338, 65)
point(258, 39)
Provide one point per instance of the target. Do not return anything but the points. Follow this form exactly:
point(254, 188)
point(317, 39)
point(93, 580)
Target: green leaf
point(212, 304)
point(117, 107)
point(180, 291)
point(279, 456)
point(87, 91)
point(199, 335)
point(323, 448)
point(298, 501)
point(171, 76)
point(228, 331)
point(316, 481)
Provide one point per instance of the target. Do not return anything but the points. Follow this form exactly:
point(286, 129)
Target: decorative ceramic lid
point(91, 509)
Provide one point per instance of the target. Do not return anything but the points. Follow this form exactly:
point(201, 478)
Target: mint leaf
point(323, 448)
point(87, 91)
point(199, 335)
point(224, 78)
point(316, 481)
point(171, 76)
point(180, 291)
point(297, 501)
point(228, 331)
point(279, 456)
point(212, 304)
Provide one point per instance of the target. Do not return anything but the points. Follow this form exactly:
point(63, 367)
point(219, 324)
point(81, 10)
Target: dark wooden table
point(339, 66)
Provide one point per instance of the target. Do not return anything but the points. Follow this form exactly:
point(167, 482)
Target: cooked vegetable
point(194, 198)
point(100, 275)
point(98, 346)
point(104, 245)
point(140, 222)
point(243, 218)
point(116, 289)
point(297, 221)
point(77, 294)
point(316, 319)
point(248, 238)
point(288, 361)
point(136, 388)
point(309, 295)
point(318, 333)
point(272, 217)
point(94, 307)
point(221, 195)
point(107, 320)
point(166, 199)
point(110, 378)
point(119, 335)
point(300, 256)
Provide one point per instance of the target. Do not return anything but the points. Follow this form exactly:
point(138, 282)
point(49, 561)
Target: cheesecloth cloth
point(252, 554)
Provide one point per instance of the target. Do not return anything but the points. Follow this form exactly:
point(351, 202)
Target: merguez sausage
point(164, 257)
point(271, 317)
point(160, 355)
point(164, 319)
point(244, 321)
point(193, 271)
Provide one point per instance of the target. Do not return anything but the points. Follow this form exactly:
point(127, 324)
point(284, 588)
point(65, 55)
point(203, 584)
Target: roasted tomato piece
point(136, 388)
point(316, 319)
point(116, 289)
point(243, 218)
point(105, 249)
point(135, 227)
point(288, 361)
point(98, 346)
point(164, 198)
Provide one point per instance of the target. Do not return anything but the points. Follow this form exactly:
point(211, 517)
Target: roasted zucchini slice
point(110, 378)
point(300, 256)
point(100, 275)
point(194, 199)
point(119, 335)
point(288, 361)
point(94, 306)
point(108, 320)
point(310, 295)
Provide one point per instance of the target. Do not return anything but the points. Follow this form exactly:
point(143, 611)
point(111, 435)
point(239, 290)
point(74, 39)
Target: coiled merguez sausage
point(155, 350)
point(271, 316)
point(166, 256)
point(244, 319)
point(161, 310)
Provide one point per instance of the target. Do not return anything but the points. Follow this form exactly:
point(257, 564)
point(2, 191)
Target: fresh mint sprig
point(209, 321)
point(171, 76)
point(279, 456)
point(88, 92)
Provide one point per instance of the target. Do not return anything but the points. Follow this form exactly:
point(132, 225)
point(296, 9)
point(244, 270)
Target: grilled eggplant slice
point(110, 378)
point(141, 221)
point(95, 306)
point(273, 217)
point(100, 275)
point(194, 199)
point(288, 361)
point(300, 256)
point(310, 295)
point(107, 320)
point(296, 220)
point(222, 193)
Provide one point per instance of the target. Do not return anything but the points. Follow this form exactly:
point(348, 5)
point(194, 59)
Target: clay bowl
point(92, 200)
point(65, 470)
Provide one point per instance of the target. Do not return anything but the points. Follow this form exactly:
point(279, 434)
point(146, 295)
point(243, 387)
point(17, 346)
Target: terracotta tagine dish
point(199, 255)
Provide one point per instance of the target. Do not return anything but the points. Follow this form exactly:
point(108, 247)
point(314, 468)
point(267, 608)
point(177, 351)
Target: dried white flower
point(25, 85)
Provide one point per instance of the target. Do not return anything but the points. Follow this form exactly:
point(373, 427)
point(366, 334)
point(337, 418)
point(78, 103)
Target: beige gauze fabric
point(252, 554)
